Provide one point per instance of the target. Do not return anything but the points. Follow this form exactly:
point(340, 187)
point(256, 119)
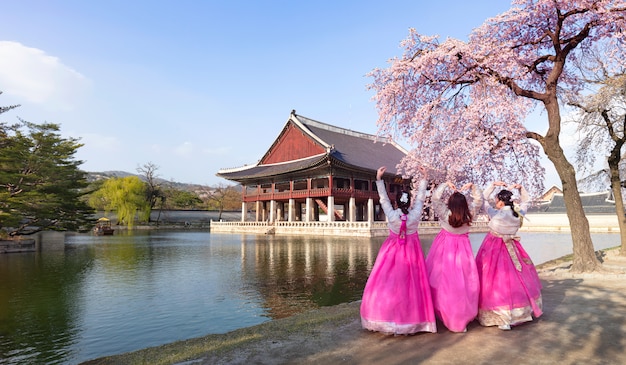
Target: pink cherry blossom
point(462, 105)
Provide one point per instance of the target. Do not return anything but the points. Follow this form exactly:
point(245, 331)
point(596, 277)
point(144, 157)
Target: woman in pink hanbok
point(450, 262)
point(510, 289)
point(396, 298)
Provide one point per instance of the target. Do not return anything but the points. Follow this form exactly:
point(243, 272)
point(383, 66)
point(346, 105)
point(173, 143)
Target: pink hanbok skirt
point(396, 298)
point(510, 289)
point(453, 280)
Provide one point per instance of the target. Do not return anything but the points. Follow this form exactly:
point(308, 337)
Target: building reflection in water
point(296, 273)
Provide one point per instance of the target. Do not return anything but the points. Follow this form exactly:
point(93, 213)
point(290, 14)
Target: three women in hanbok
point(510, 289)
point(450, 263)
point(397, 298)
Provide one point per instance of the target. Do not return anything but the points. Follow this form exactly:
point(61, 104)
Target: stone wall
point(545, 222)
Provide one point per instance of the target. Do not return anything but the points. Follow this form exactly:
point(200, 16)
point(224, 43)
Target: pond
point(106, 295)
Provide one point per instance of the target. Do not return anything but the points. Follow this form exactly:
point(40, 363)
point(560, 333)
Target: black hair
point(505, 197)
point(459, 210)
point(403, 200)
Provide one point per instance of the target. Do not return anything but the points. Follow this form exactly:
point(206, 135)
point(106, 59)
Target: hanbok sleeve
point(486, 198)
point(420, 197)
point(439, 206)
point(385, 203)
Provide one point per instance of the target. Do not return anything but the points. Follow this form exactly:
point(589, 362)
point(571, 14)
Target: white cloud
point(184, 150)
point(31, 75)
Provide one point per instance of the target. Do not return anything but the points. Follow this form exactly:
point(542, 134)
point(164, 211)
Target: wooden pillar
point(244, 211)
point(291, 217)
point(272, 212)
point(370, 210)
point(331, 208)
point(351, 203)
point(351, 210)
point(308, 215)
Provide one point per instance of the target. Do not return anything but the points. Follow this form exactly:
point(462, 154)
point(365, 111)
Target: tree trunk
point(585, 259)
point(616, 187)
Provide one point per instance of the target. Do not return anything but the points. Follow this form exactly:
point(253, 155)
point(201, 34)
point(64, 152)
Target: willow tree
point(463, 105)
point(125, 196)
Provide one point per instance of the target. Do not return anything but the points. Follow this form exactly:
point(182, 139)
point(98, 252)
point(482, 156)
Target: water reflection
point(293, 274)
point(35, 331)
point(106, 295)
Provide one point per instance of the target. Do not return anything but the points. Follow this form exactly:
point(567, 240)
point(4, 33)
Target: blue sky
point(195, 86)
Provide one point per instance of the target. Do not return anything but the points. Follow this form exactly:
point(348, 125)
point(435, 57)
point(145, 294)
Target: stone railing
point(337, 228)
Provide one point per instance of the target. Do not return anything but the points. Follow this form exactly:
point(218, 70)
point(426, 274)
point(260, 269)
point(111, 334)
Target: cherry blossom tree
point(462, 106)
point(601, 125)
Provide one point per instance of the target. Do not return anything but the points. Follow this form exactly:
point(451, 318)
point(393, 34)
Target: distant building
point(314, 169)
point(547, 196)
point(593, 203)
point(541, 203)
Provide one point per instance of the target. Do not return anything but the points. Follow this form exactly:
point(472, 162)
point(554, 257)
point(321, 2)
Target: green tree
point(125, 196)
point(181, 199)
point(96, 202)
point(41, 184)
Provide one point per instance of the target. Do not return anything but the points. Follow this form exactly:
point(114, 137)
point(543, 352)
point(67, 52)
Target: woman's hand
point(467, 186)
point(451, 185)
point(380, 172)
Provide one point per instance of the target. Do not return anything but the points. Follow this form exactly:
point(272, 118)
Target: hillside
point(95, 176)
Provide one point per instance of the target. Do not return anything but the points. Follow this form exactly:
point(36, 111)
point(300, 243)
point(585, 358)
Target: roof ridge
point(333, 128)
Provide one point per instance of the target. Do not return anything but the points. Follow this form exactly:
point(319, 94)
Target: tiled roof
point(593, 203)
point(353, 149)
point(256, 171)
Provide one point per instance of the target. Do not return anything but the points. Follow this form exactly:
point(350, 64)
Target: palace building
point(316, 172)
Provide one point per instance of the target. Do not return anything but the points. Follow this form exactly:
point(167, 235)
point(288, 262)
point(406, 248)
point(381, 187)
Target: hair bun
point(505, 196)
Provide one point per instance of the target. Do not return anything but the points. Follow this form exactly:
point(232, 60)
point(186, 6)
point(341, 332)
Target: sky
point(195, 86)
